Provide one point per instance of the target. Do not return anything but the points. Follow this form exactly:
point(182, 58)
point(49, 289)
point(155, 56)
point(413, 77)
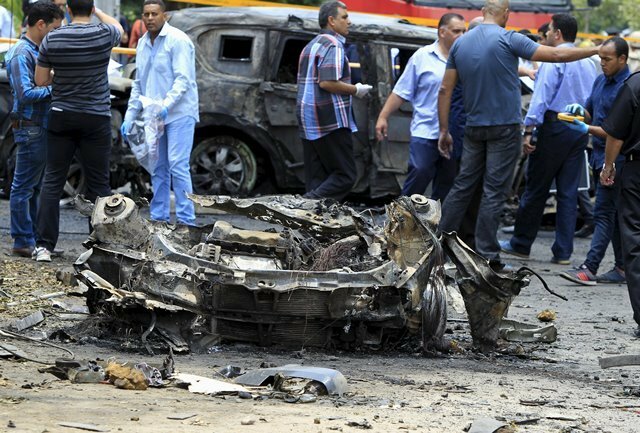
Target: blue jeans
point(31, 158)
point(425, 165)
point(559, 155)
point(606, 223)
point(174, 150)
point(489, 155)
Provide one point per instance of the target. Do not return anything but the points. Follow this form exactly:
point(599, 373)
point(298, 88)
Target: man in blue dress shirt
point(559, 153)
point(166, 72)
point(419, 84)
point(29, 117)
point(614, 53)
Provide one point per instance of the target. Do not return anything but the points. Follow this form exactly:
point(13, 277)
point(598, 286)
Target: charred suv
point(246, 66)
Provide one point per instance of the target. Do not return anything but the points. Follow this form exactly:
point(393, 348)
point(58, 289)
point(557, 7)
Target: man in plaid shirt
point(324, 107)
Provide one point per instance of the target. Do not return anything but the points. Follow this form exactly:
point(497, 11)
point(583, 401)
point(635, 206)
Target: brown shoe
point(22, 252)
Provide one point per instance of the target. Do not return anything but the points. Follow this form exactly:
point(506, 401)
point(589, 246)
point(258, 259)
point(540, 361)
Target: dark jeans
point(629, 218)
point(88, 135)
point(330, 169)
point(489, 155)
point(559, 155)
point(31, 156)
point(425, 165)
point(606, 228)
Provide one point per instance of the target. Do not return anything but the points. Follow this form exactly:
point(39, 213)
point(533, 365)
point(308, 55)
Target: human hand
point(607, 175)
point(362, 90)
point(574, 109)
point(579, 126)
point(445, 144)
point(124, 129)
point(381, 128)
point(527, 147)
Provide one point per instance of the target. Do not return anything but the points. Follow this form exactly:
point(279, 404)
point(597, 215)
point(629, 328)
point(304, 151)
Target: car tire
point(223, 165)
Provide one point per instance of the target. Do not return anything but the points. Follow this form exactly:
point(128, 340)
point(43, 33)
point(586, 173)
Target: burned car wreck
point(324, 275)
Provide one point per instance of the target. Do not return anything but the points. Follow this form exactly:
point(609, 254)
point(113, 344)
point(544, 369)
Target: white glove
point(362, 90)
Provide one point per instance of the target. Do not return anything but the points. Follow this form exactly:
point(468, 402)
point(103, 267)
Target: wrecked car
point(247, 140)
point(321, 275)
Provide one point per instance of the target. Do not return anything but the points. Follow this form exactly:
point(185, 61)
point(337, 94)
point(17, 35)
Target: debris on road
point(619, 361)
point(333, 382)
point(486, 425)
point(547, 316)
point(324, 275)
point(205, 385)
point(83, 426)
point(512, 330)
point(27, 322)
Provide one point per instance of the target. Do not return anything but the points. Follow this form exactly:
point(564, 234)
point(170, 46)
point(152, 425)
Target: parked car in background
point(246, 66)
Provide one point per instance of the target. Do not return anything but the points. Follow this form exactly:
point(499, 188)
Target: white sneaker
point(41, 254)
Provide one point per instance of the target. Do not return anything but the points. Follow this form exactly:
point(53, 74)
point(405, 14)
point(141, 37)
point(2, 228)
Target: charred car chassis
point(326, 276)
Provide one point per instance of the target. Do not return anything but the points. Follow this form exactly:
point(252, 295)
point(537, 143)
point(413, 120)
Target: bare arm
point(338, 87)
point(562, 54)
point(391, 106)
point(597, 131)
point(108, 19)
point(42, 76)
point(445, 142)
point(611, 152)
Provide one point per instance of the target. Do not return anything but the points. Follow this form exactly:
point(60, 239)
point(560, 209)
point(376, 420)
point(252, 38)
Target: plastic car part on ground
point(334, 382)
point(323, 275)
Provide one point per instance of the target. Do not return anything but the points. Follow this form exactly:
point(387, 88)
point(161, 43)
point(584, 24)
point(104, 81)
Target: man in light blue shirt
point(559, 153)
point(419, 84)
point(166, 72)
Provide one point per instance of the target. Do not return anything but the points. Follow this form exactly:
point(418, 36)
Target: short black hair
point(43, 10)
point(81, 8)
point(621, 46)
point(155, 2)
point(447, 18)
point(567, 25)
point(329, 9)
point(543, 28)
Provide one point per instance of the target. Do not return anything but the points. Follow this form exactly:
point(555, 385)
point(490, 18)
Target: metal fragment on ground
point(512, 330)
point(83, 426)
point(27, 322)
point(333, 380)
point(619, 361)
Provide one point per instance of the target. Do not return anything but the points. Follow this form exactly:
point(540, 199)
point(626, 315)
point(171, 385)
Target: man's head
point(333, 16)
point(496, 11)
point(542, 33)
point(475, 23)
point(80, 8)
point(450, 28)
point(43, 17)
point(562, 28)
point(153, 16)
point(614, 53)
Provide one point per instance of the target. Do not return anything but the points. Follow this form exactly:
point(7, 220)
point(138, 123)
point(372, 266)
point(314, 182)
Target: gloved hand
point(579, 126)
point(163, 114)
point(362, 90)
point(124, 129)
point(574, 109)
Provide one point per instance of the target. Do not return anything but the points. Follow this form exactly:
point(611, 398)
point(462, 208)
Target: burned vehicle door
point(392, 154)
point(280, 92)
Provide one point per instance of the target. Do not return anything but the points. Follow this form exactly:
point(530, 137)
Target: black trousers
point(330, 169)
point(629, 218)
point(89, 137)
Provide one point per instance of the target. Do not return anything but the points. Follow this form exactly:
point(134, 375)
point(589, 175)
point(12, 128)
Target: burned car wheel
point(223, 165)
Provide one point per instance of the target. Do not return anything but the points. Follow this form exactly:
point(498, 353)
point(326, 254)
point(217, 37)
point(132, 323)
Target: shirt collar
point(620, 76)
point(435, 49)
point(341, 38)
point(29, 41)
point(567, 44)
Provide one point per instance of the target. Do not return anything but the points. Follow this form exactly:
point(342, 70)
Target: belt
point(17, 124)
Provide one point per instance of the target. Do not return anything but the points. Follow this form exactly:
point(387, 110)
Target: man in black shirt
point(623, 136)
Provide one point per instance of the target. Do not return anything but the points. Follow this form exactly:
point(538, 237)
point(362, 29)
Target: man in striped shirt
point(80, 116)
point(324, 107)
point(28, 118)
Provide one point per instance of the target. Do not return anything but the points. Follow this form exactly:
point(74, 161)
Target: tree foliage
point(611, 13)
point(15, 8)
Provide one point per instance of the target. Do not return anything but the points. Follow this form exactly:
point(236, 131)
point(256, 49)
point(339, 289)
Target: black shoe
point(585, 231)
point(636, 332)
